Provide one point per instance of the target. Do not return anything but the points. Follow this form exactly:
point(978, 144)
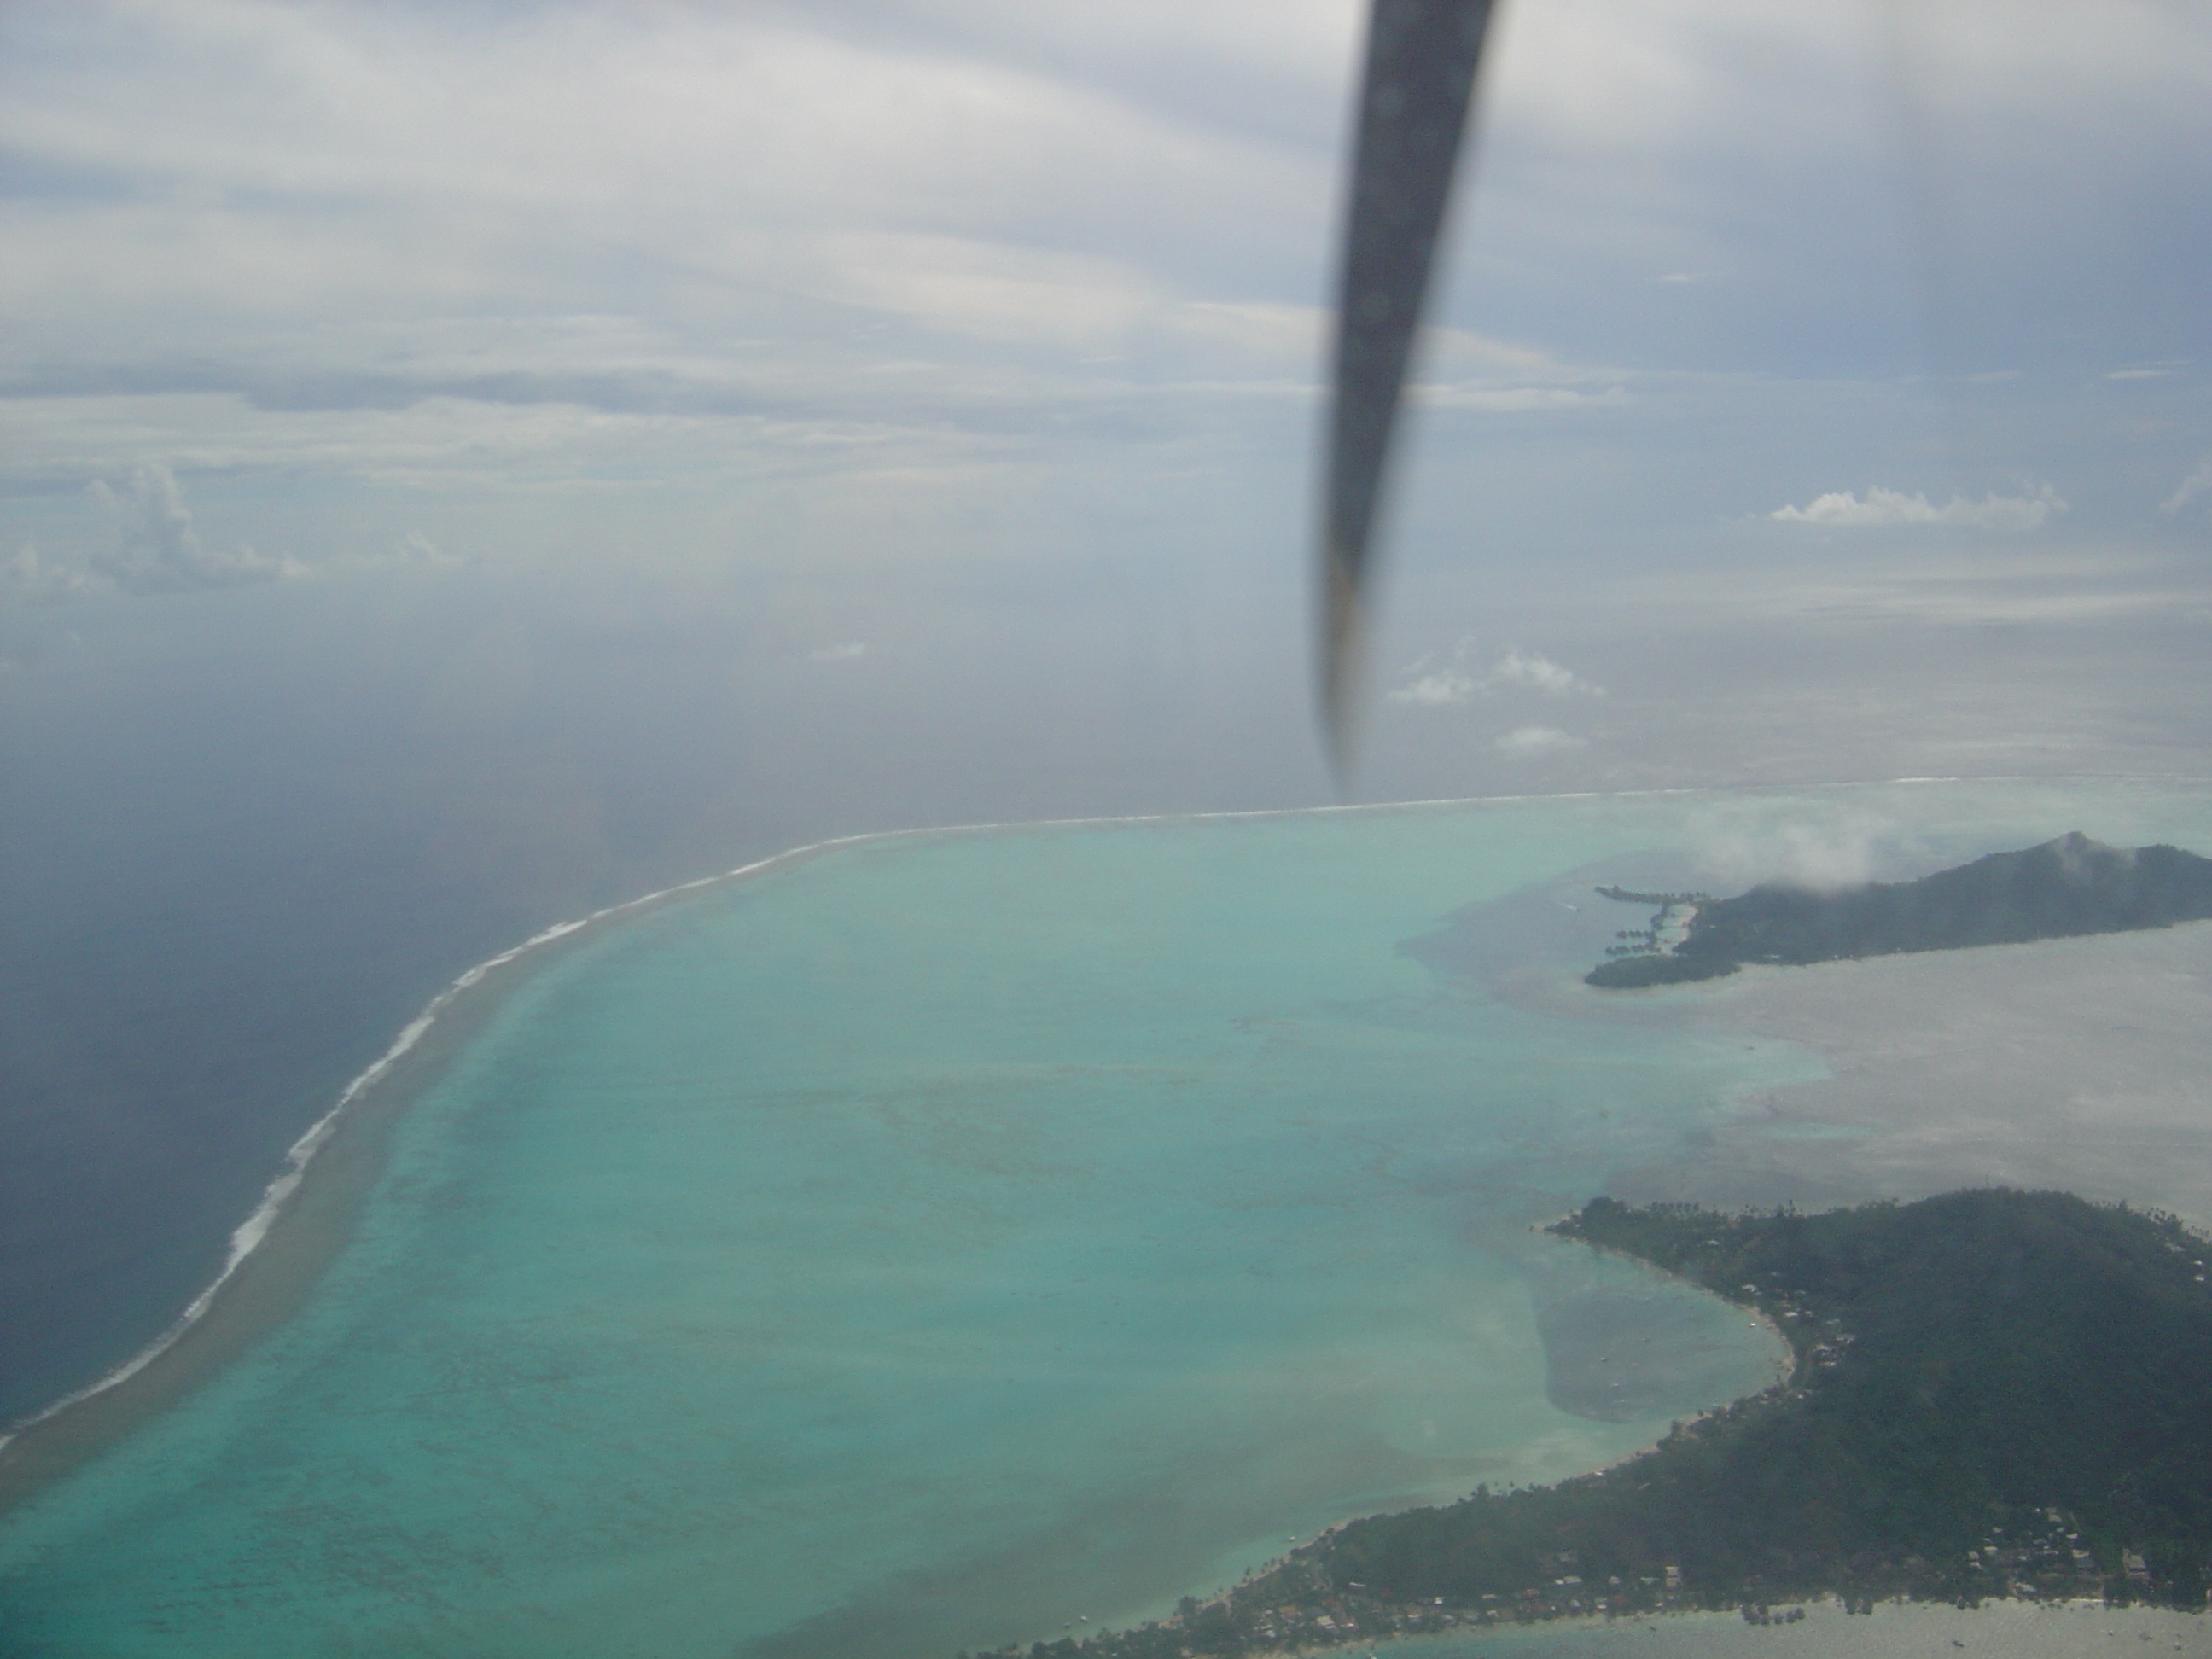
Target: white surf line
point(248, 1236)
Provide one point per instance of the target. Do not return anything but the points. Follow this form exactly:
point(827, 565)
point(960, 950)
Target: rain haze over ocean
point(464, 465)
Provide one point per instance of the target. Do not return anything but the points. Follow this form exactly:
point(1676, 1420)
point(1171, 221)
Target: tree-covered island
point(2066, 887)
point(1995, 1393)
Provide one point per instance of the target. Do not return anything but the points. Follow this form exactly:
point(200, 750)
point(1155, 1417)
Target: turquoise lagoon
point(944, 1240)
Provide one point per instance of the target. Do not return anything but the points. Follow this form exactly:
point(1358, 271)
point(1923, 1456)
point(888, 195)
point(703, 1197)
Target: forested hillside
point(2066, 887)
point(1996, 1392)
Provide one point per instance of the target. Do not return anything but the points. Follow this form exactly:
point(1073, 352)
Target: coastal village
point(1291, 1608)
point(1673, 913)
point(1792, 1494)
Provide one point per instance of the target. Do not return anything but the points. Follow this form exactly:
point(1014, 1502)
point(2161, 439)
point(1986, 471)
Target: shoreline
point(304, 1216)
point(1787, 1370)
point(1504, 1635)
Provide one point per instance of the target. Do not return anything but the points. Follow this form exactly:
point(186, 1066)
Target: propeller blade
point(1413, 101)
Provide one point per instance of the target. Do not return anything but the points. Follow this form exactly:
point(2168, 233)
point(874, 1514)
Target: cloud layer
point(1882, 509)
point(1537, 742)
point(1455, 678)
point(154, 549)
point(948, 309)
point(151, 546)
point(952, 208)
point(2197, 484)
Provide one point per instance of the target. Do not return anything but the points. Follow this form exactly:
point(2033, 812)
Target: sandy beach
point(307, 1231)
point(2020, 1630)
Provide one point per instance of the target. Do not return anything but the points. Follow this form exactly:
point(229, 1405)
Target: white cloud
point(155, 549)
point(1537, 672)
point(852, 651)
point(1440, 687)
point(415, 548)
point(2197, 483)
point(1879, 508)
point(1533, 742)
point(1740, 847)
point(1456, 679)
point(30, 574)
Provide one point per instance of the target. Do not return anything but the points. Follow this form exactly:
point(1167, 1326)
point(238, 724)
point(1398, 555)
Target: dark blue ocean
point(223, 896)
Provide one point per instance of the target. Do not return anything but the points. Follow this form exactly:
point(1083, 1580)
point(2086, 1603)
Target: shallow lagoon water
point(935, 1243)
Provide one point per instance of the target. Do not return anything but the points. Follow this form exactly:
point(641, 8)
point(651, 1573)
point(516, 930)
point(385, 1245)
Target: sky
point(1817, 391)
point(953, 365)
point(464, 463)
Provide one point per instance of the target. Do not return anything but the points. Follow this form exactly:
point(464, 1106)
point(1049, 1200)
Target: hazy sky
point(1819, 391)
